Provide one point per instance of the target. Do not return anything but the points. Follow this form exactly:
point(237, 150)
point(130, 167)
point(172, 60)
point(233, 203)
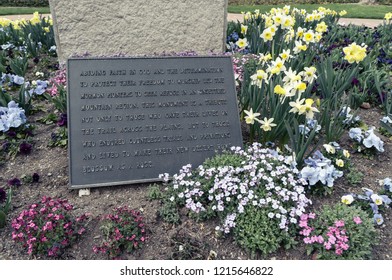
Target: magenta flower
point(339, 223)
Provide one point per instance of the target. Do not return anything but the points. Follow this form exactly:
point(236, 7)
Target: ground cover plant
point(302, 81)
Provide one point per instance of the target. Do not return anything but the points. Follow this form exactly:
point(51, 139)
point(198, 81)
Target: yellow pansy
point(339, 163)
point(329, 148)
point(347, 199)
point(346, 153)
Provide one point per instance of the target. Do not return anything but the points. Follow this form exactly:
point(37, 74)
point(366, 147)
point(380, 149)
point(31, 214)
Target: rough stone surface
point(138, 27)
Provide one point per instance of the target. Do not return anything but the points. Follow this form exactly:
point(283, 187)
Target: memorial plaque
point(131, 119)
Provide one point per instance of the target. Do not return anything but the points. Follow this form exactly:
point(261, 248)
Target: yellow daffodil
point(242, 43)
point(259, 77)
point(309, 74)
point(277, 66)
point(291, 76)
point(299, 47)
point(265, 57)
point(277, 19)
point(269, 22)
point(267, 124)
point(288, 22)
point(279, 90)
point(244, 29)
point(321, 27)
point(267, 34)
point(35, 19)
point(309, 37)
point(297, 106)
point(300, 87)
point(285, 55)
point(343, 13)
point(354, 53)
point(309, 110)
point(300, 32)
point(317, 37)
point(388, 16)
point(251, 117)
point(309, 18)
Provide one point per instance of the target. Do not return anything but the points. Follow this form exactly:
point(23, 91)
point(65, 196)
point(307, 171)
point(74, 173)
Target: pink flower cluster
point(125, 231)
point(47, 227)
point(58, 81)
point(335, 237)
point(239, 64)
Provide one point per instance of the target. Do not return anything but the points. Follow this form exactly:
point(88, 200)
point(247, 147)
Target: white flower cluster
point(320, 169)
point(11, 116)
point(265, 179)
point(367, 138)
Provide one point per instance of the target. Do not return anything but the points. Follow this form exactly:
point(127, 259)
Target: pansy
point(378, 219)
point(373, 140)
point(329, 148)
point(347, 199)
point(386, 120)
point(387, 183)
point(376, 199)
point(356, 134)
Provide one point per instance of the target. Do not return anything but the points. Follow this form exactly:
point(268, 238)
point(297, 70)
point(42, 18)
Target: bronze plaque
point(131, 119)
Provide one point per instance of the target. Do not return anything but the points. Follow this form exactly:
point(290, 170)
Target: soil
point(198, 240)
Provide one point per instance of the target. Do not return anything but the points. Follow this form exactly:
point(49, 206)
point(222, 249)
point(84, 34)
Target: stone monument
point(138, 27)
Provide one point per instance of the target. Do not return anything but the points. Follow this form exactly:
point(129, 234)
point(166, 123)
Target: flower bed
point(301, 82)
